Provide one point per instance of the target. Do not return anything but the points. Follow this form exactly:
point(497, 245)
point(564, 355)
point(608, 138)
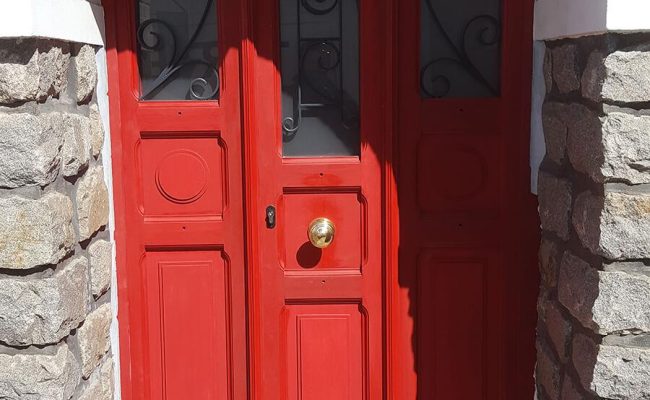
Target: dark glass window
point(177, 49)
point(460, 48)
point(320, 77)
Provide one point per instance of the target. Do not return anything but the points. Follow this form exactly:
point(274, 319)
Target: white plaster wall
point(81, 22)
point(72, 20)
point(628, 15)
point(555, 19)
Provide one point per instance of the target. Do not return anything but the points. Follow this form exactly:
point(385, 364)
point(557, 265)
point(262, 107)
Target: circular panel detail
point(182, 176)
point(468, 177)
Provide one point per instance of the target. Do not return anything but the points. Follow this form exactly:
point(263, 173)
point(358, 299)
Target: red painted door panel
point(462, 251)
point(324, 351)
point(316, 313)
point(180, 221)
point(187, 297)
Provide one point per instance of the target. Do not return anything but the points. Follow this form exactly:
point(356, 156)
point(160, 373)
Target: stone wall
point(55, 252)
point(594, 196)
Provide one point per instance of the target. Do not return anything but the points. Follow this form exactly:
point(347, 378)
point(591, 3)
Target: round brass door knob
point(321, 232)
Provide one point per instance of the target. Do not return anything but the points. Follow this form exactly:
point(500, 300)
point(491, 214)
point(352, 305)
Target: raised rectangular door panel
point(325, 351)
point(188, 304)
point(455, 317)
point(347, 252)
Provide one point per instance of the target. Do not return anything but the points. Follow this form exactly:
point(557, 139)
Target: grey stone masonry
point(30, 149)
point(55, 250)
point(39, 376)
point(35, 232)
point(42, 310)
point(593, 334)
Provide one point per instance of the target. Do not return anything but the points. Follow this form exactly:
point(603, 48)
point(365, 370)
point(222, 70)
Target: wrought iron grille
point(177, 50)
point(320, 82)
point(460, 48)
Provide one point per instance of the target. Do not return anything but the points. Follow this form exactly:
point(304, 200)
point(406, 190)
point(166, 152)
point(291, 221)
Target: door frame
point(389, 207)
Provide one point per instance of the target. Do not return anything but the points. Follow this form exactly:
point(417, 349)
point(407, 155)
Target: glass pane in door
point(319, 42)
point(460, 48)
point(177, 49)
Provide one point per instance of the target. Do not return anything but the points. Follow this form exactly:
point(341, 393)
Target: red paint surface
point(462, 233)
point(179, 227)
point(428, 290)
point(335, 297)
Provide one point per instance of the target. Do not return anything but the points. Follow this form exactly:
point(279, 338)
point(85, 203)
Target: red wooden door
point(317, 314)
point(462, 262)
point(176, 119)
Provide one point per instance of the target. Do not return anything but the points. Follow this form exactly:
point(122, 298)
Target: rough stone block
point(584, 352)
point(559, 330)
point(578, 288)
point(100, 384)
point(565, 69)
point(547, 372)
point(555, 119)
point(75, 153)
point(570, 390)
point(622, 76)
point(584, 141)
point(554, 196)
point(29, 149)
point(549, 262)
point(615, 147)
point(605, 301)
point(621, 373)
point(86, 68)
point(43, 311)
point(39, 376)
point(616, 225)
point(96, 130)
point(101, 257)
point(94, 340)
point(92, 202)
point(35, 232)
point(623, 302)
point(32, 69)
point(626, 147)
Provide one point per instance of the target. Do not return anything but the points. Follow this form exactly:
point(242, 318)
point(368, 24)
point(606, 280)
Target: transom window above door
point(177, 45)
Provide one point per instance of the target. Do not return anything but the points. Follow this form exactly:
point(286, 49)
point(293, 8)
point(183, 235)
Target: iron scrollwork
point(319, 81)
point(320, 7)
point(204, 87)
point(466, 58)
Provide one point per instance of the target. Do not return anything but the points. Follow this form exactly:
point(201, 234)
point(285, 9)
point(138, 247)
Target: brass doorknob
point(321, 232)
